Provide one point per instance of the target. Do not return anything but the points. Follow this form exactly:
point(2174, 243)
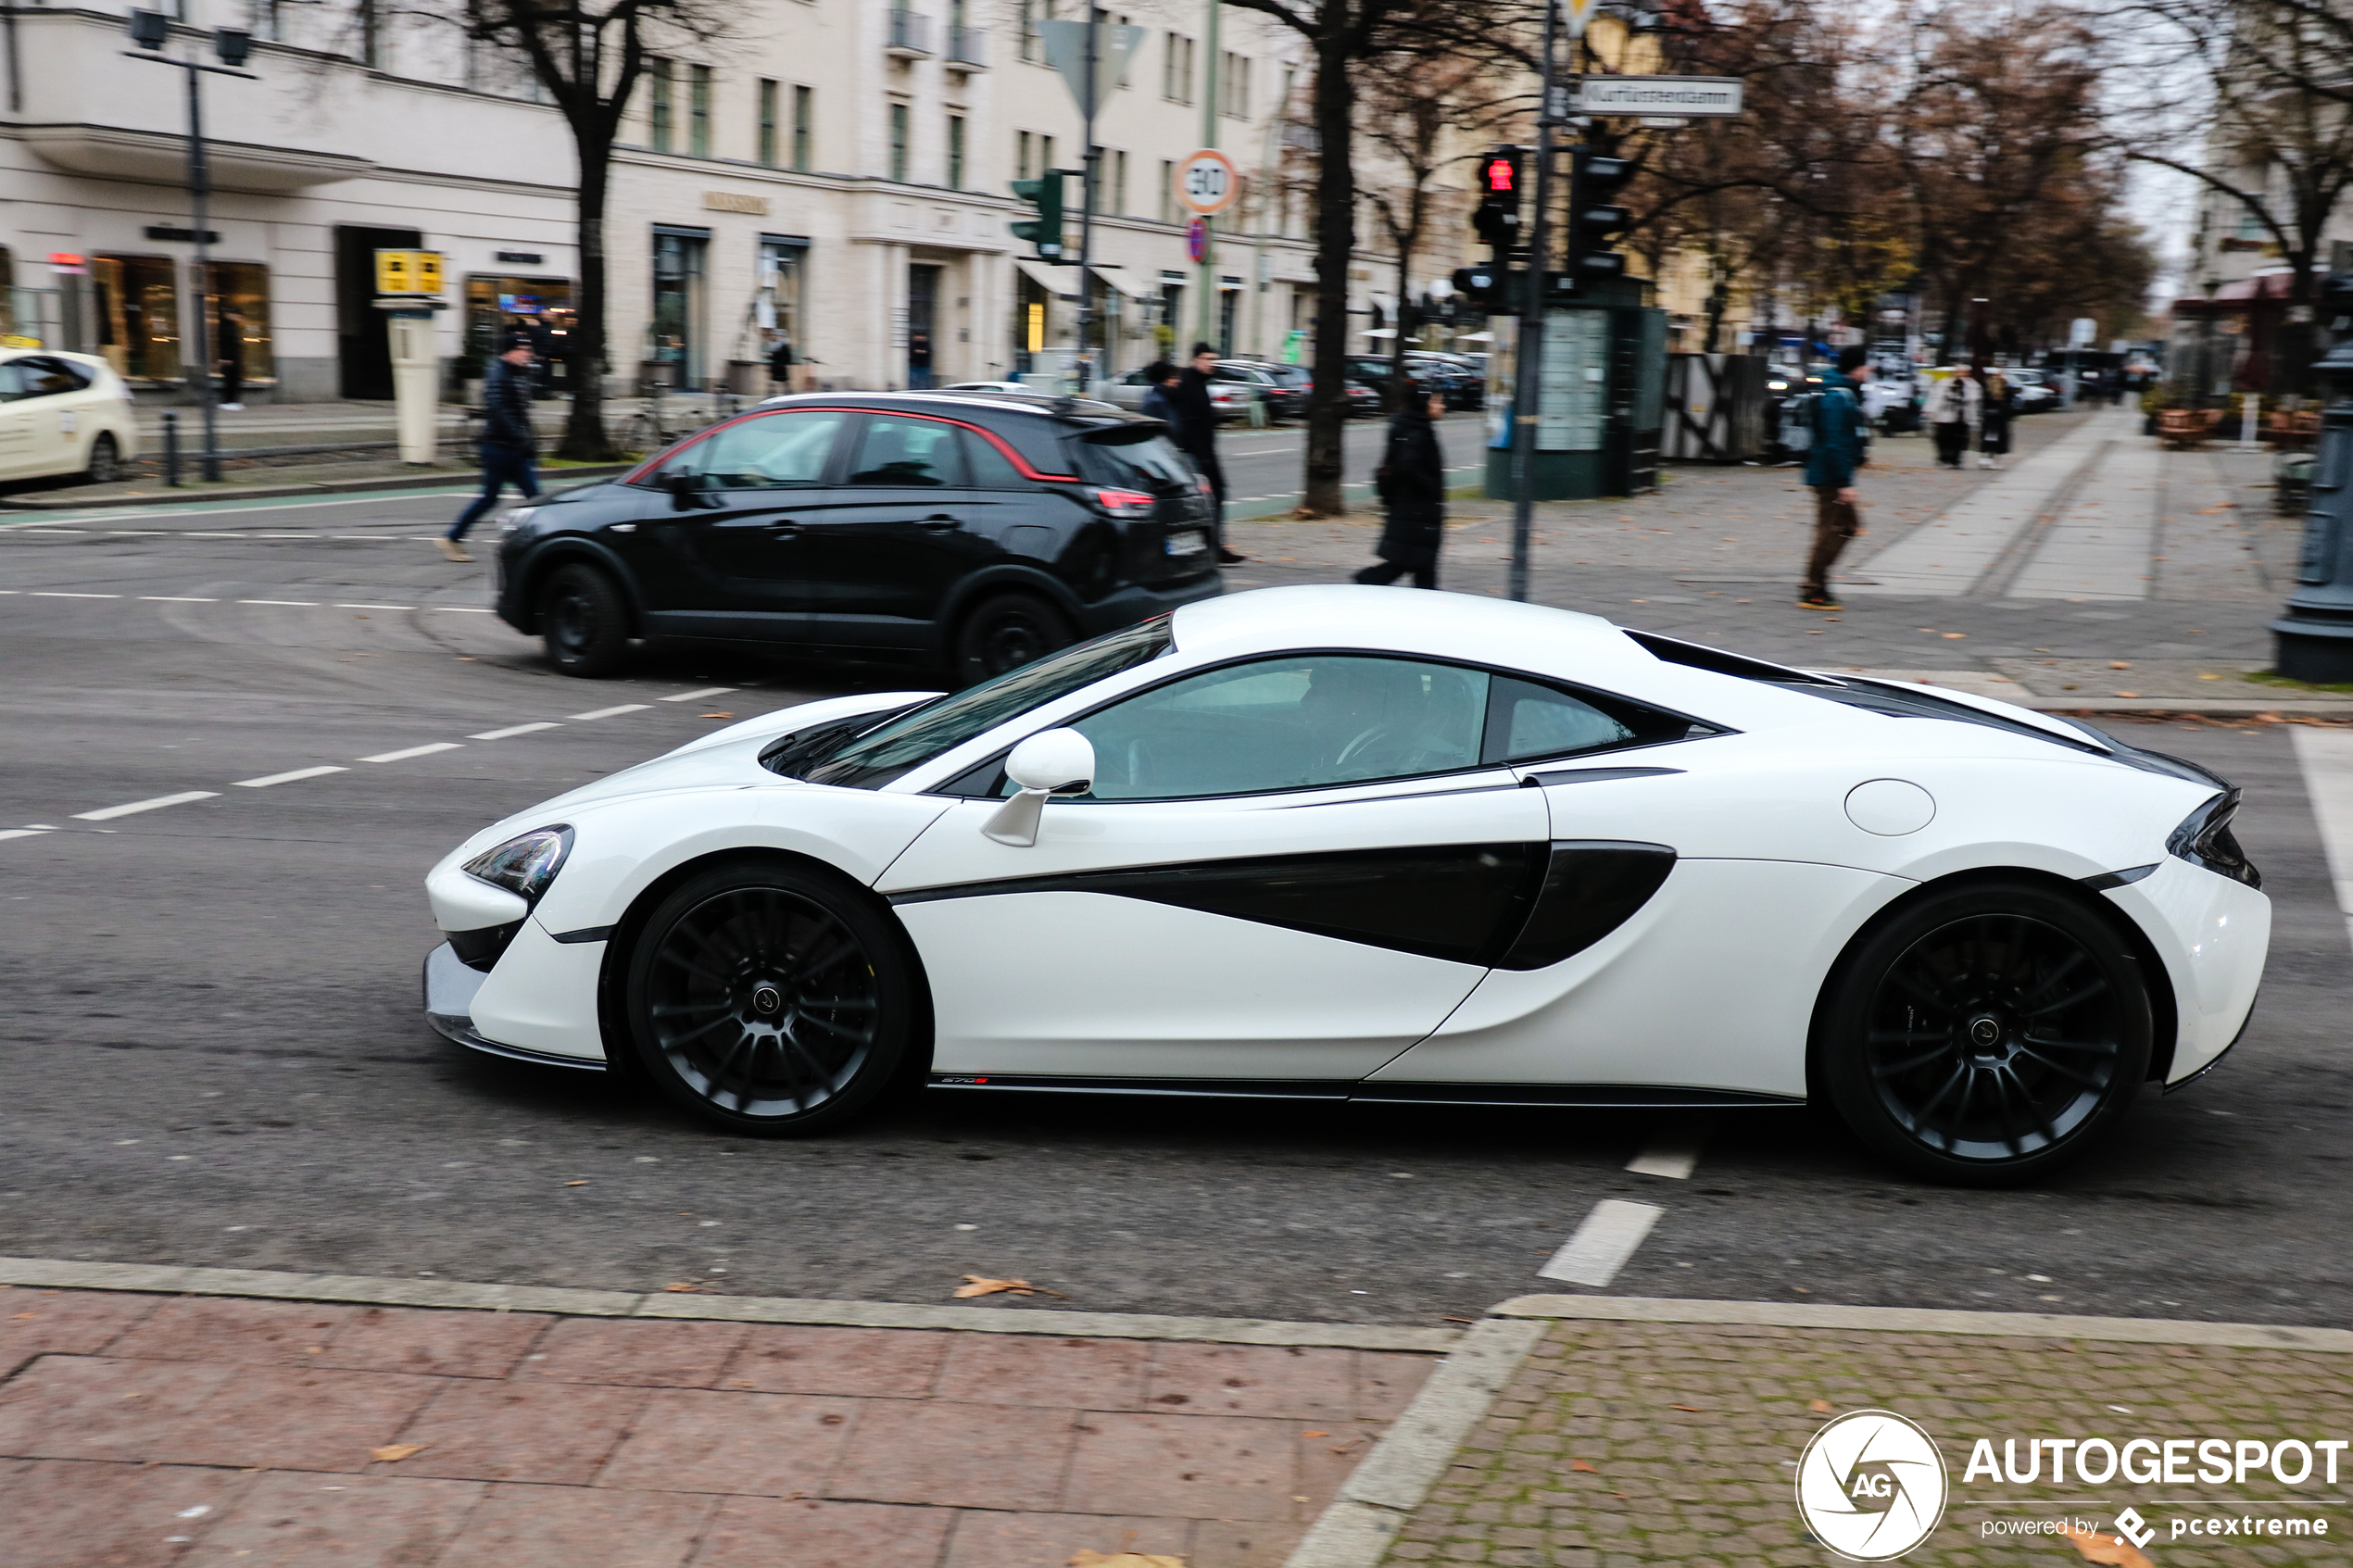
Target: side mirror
point(685, 495)
point(1048, 763)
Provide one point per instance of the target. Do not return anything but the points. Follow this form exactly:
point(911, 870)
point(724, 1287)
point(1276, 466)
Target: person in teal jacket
point(1837, 452)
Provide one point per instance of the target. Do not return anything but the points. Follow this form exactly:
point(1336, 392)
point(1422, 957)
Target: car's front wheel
point(1987, 1035)
point(770, 999)
point(583, 622)
point(106, 460)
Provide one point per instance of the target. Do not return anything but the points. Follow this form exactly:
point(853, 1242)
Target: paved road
point(213, 1054)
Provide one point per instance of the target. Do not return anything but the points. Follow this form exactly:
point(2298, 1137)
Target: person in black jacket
point(1160, 403)
point(1198, 435)
point(509, 446)
point(1411, 481)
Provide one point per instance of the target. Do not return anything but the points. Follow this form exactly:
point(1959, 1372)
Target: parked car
point(2037, 393)
point(1230, 396)
point(1283, 388)
point(63, 414)
point(977, 530)
point(1893, 402)
point(1455, 380)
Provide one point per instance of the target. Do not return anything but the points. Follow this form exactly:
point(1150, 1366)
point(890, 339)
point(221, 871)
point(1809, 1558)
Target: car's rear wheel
point(585, 621)
point(1988, 1035)
point(1006, 631)
point(770, 1000)
point(106, 460)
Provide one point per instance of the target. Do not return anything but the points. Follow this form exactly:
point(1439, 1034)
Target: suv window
point(989, 468)
point(1153, 464)
point(900, 451)
point(774, 451)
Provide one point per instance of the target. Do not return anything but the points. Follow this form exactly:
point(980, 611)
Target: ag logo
point(1871, 1485)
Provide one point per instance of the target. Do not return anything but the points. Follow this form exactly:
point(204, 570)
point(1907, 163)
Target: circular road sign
point(1207, 181)
point(1197, 239)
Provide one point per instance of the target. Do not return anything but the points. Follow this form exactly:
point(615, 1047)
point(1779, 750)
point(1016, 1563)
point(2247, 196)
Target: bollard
point(2248, 412)
point(170, 448)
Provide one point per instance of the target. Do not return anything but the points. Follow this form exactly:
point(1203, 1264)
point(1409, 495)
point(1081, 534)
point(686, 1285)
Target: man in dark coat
point(1198, 435)
point(1411, 484)
point(233, 361)
point(1160, 403)
point(509, 444)
point(780, 363)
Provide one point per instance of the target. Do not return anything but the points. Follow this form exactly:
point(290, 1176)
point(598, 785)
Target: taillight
point(1126, 503)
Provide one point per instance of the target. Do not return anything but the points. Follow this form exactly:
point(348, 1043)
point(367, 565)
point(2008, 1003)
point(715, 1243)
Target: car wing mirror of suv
point(682, 486)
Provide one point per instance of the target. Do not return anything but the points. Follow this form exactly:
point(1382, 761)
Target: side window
point(1299, 722)
point(989, 468)
point(12, 383)
point(899, 451)
point(776, 451)
point(46, 378)
point(1526, 720)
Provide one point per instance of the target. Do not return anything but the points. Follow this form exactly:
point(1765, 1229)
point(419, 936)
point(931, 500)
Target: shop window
point(542, 307)
point(680, 346)
point(138, 310)
point(777, 297)
point(242, 289)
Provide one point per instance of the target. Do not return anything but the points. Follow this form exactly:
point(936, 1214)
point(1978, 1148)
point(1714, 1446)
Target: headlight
point(2204, 839)
point(1777, 385)
point(526, 865)
point(517, 518)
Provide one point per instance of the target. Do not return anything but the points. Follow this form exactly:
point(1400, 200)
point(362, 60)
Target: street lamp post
point(150, 31)
point(2313, 641)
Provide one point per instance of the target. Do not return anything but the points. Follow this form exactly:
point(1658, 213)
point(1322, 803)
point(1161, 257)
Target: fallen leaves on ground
point(1580, 1464)
point(1820, 1406)
point(392, 1453)
point(1693, 1409)
point(2114, 1551)
point(576, 1183)
point(719, 716)
point(978, 1284)
point(691, 1287)
point(1082, 1557)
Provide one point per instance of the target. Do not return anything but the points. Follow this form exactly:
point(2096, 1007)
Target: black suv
point(976, 530)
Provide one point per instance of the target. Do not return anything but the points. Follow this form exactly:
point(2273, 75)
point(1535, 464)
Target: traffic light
point(1045, 231)
point(1496, 222)
point(1593, 219)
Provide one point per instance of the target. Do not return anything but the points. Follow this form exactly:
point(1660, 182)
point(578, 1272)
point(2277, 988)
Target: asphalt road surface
point(212, 1052)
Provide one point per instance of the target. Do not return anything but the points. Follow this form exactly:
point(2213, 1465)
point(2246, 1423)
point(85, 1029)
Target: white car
point(1372, 844)
point(63, 414)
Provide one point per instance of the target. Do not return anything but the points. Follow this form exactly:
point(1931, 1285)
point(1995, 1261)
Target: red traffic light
point(1503, 175)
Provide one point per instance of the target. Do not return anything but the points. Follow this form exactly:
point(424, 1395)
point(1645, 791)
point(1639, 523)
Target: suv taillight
point(1126, 503)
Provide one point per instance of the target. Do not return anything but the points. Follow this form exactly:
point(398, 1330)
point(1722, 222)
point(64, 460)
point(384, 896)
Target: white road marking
point(23, 833)
point(375, 607)
point(697, 696)
point(1603, 1243)
point(610, 712)
point(2325, 758)
point(515, 730)
point(173, 599)
point(139, 533)
point(1672, 1152)
point(460, 610)
point(284, 604)
point(289, 778)
point(403, 756)
point(108, 813)
point(61, 593)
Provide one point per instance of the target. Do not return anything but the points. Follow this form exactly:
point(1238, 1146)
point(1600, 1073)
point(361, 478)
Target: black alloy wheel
point(585, 621)
point(1989, 1035)
point(1006, 631)
point(770, 1000)
point(106, 460)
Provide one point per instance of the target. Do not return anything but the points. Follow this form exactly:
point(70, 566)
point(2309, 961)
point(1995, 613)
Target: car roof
point(1083, 413)
point(1462, 626)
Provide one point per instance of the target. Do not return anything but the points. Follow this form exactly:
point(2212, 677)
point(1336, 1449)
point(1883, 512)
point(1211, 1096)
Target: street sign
point(1197, 239)
point(1066, 52)
point(1207, 181)
point(1681, 97)
point(408, 271)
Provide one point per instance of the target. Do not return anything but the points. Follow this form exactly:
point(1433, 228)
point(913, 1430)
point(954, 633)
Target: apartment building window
point(1233, 86)
point(898, 141)
point(1119, 184)
point(767, 123)
point(657, 86)
point(1021, 156)
point(698, 110)
point(955, 152)
point(1177, 70)
point(804, 116)
point(1168, 191)
point(1027, 19)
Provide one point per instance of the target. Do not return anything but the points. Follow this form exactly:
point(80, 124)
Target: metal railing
point(910, 32)
point(968, 46)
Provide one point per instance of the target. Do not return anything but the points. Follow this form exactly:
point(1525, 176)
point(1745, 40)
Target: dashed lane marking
point(289, 778)
point(282, 604)
point(1603, 1243)
point(610, 712)
point(23, 833)
point(173, 599)
point(61, 594)
point(403, 756)
point(108, 813)
point(698, 696)
point(1672, 1152)
point(375, 607)
point(513, 730)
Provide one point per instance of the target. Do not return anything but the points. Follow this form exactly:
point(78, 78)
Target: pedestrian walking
point(1197, 435)
point(1160, 403)
point(781, 359)
point(1837, 452)
point(231, 351)
point(1955, 407)
point(510, 447)
point(1411, 481)
point(1998, 406)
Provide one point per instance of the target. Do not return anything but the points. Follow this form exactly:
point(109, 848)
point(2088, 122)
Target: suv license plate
point(1186, 543)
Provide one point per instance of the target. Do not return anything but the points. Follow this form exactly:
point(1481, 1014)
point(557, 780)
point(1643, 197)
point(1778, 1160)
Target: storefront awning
point(1133, 283)
point(1056, 281)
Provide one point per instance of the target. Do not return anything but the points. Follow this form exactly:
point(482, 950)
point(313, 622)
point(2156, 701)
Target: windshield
point(874, 758)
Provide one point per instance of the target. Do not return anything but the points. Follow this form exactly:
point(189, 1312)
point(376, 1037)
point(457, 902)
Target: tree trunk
point(1335, 243)
point(585, 439)
point(1408, 243)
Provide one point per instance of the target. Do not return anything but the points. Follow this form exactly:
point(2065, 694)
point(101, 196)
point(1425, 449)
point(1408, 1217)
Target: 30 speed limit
point(1207, 182)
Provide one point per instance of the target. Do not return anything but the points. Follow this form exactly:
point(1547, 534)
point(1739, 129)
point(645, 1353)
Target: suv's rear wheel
point(1988, 1035)
point(585, 621)
point(1006, 631)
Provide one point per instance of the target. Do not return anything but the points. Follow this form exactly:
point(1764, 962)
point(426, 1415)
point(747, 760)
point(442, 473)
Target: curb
point(372, 1290)
point(460, 477)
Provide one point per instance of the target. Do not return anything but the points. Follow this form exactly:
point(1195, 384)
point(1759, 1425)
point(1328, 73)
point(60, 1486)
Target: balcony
point(909, 37)
point(968, 48)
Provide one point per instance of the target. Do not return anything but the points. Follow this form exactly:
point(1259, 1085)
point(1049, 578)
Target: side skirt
point(1598, 1096)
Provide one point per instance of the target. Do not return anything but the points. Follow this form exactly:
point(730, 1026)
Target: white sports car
point(1378, 844)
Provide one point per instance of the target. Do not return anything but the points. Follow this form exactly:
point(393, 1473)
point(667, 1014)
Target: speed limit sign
point(1207, 181)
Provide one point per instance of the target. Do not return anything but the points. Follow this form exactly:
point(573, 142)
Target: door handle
point(786, 527)
point(940, 519)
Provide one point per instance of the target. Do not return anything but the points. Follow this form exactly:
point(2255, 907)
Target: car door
point(882, 559)
point(16, 417)
point(1287, 869)
point(738, 562)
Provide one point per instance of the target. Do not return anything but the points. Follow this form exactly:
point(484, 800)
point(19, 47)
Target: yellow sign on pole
point(408, 271)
